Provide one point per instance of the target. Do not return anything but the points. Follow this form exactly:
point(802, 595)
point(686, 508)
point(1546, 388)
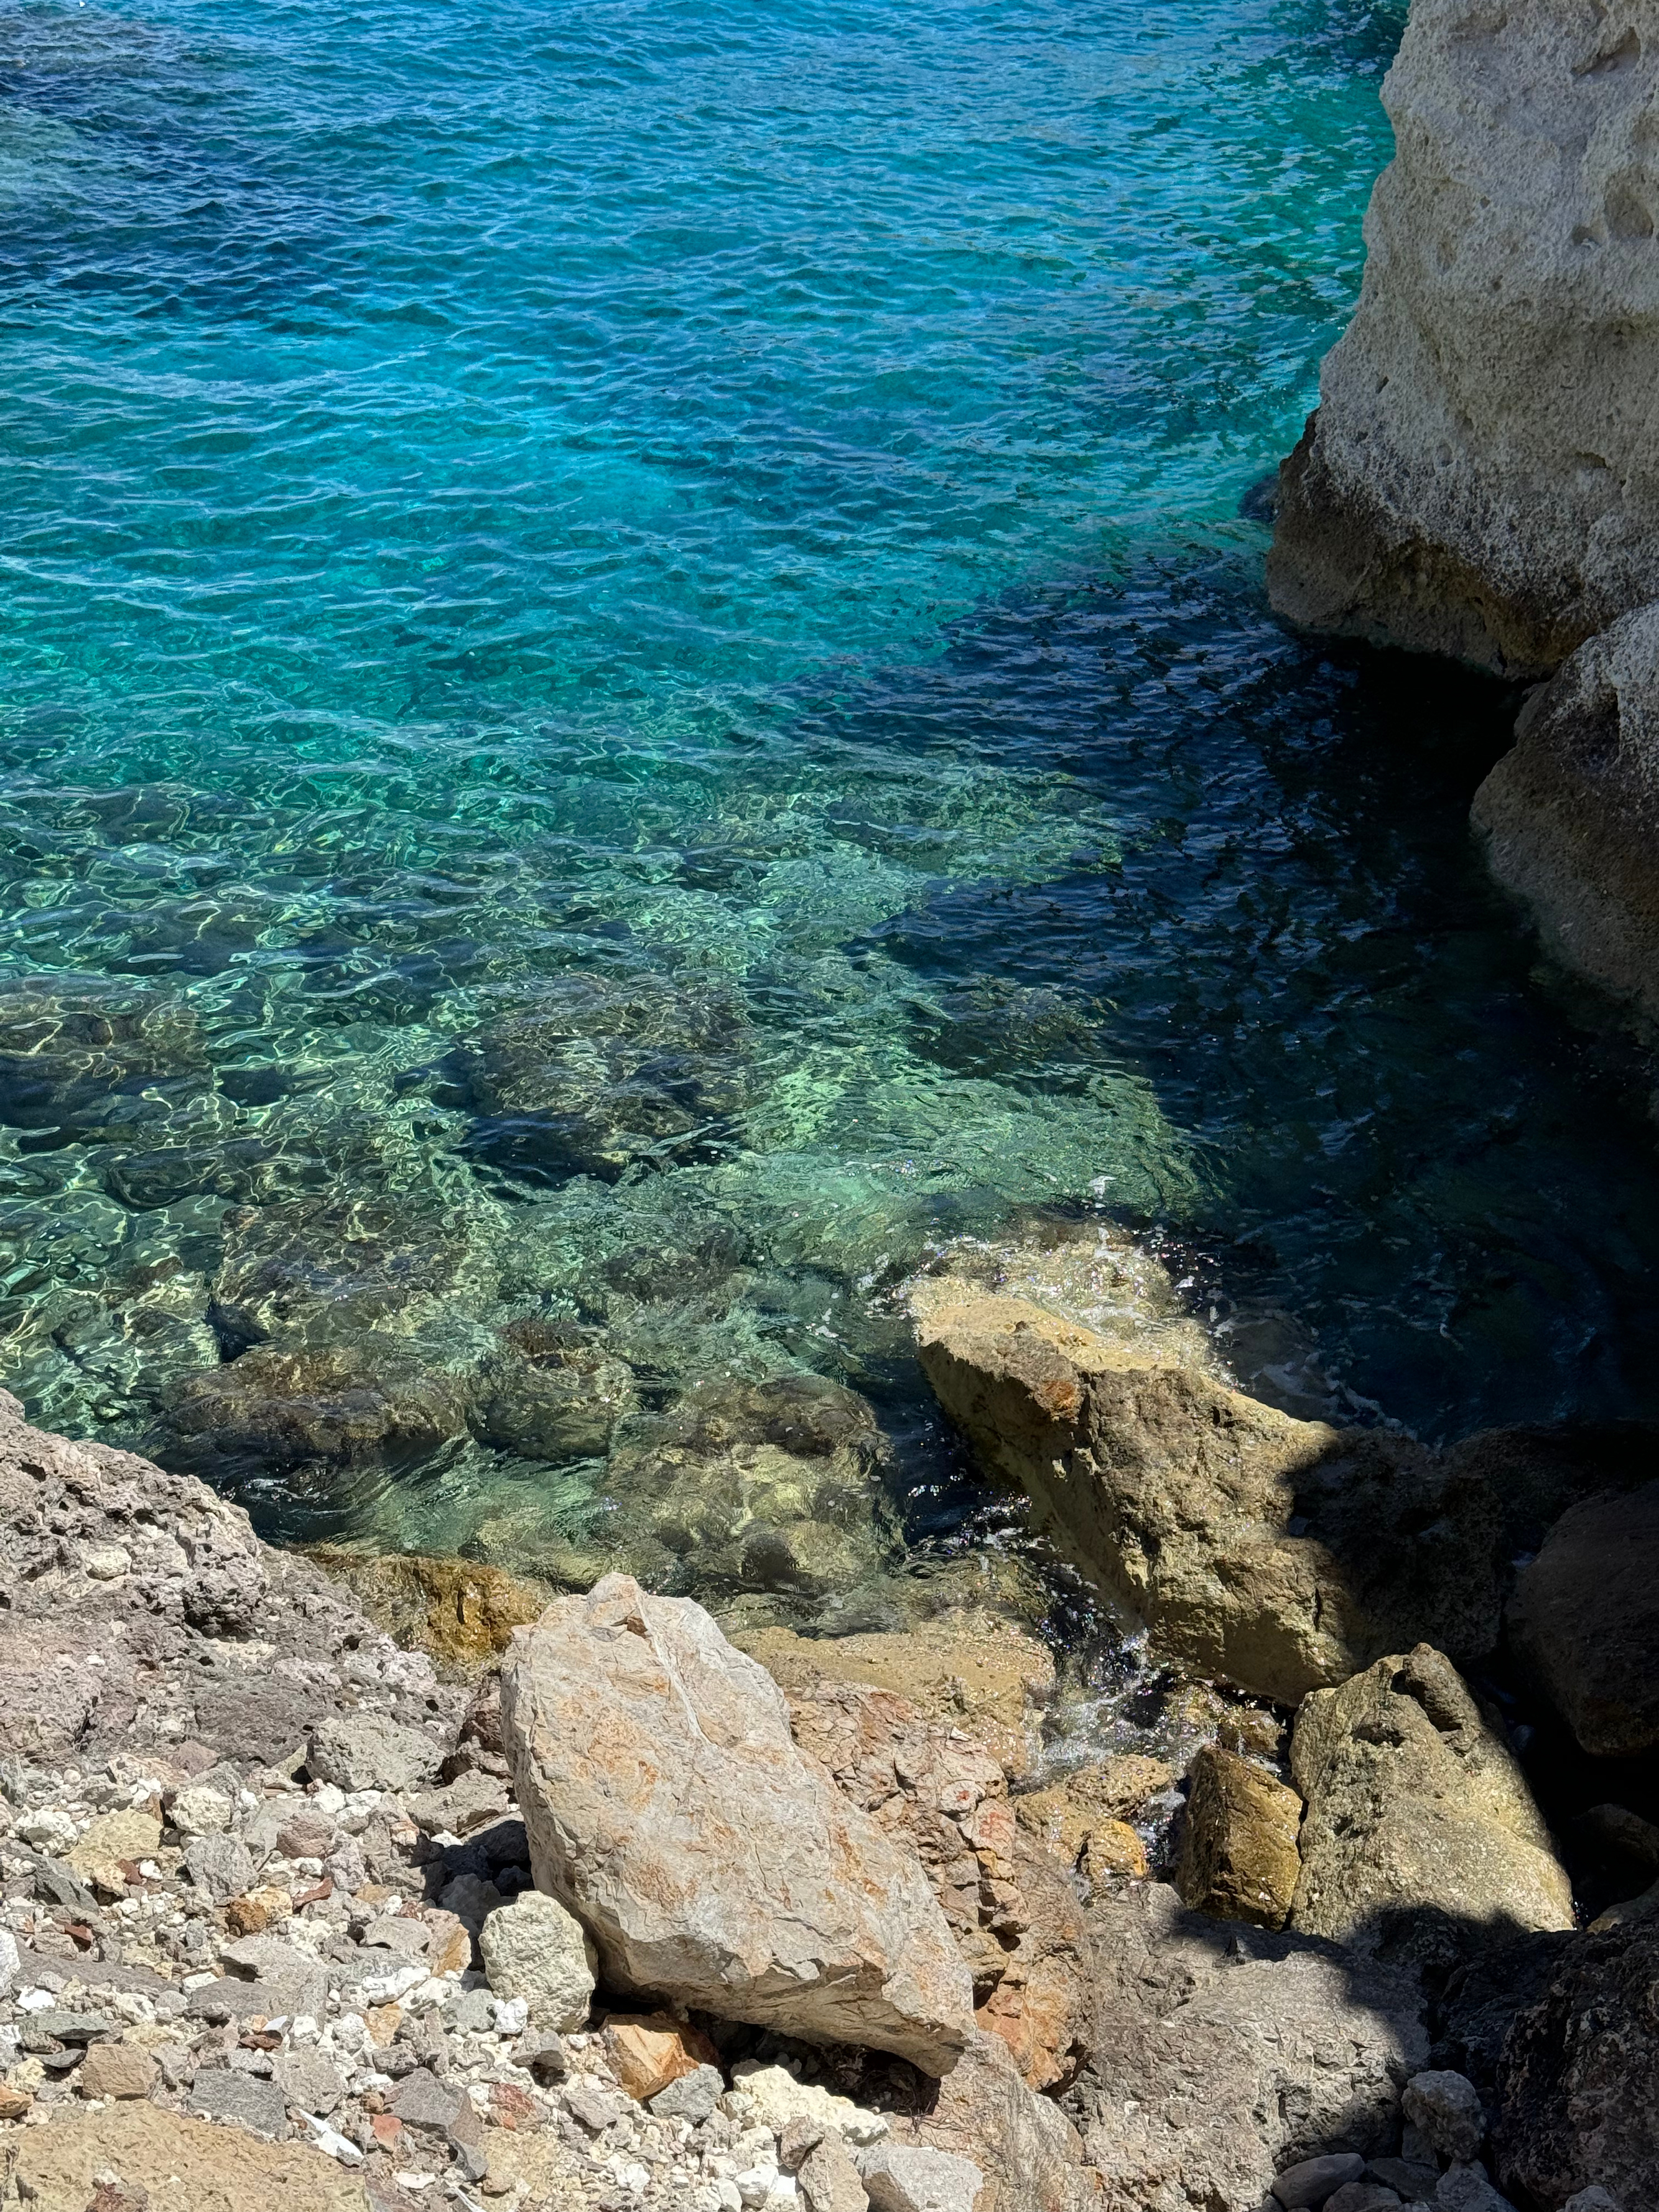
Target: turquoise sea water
point(635, 695)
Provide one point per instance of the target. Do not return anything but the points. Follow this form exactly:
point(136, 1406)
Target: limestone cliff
point(1481, 477)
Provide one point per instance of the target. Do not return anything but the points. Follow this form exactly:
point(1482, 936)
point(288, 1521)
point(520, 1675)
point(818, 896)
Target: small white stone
point(756, 2183)
point(107, 1562)
point(329, 1800)
point(51, 1829)
point(37, 2000)
point(200, 1810)
point(512, 2016)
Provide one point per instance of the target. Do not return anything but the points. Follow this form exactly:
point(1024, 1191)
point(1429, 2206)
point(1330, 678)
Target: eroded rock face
point(199, 1629)
point(1570, 817)
point(458, 1611)
point(712, 1862)
point(1421, 1840)
point(1481, 477)
point(1223, 2055)
point(1281, 1555)
point(1585, 1619)
point(1577, 2088)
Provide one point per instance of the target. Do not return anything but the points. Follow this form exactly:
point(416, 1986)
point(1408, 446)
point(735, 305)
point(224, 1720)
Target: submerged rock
point(606, 1071)
point(669, 1808)
point(1278, 1554)
point(1421, 1840)
point(752, 1487)
point(1584, 1620)
point(1481, 479)
point(1570, 817)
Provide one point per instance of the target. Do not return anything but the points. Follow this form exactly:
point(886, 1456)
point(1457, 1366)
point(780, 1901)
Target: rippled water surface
point(635, 695)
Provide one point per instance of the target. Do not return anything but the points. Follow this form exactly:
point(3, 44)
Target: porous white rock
point(1481, 477)
point(713, 1862)
point(779, 2098)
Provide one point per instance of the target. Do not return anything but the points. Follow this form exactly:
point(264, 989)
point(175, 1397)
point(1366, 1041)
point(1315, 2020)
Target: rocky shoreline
point(604, 1909)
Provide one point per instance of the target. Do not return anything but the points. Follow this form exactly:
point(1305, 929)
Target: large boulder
point(1223, 2055)
point(1029, 2155)
point(1481, 477)
point(1577, 2084)
point(1420, 1840)
point(1585, 1619)
point(713, 1862)
point(1570, 817)
point(1280, 1554)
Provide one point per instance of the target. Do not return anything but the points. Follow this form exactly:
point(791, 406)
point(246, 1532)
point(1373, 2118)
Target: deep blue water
point(633, 694)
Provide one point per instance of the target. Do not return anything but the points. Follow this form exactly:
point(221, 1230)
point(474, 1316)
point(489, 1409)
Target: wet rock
point(668, 1808)
point(327, 1272)
point(1225, 2057)
point(603, 1071)
point(532, 1948)
point(968, 1668)
point(1445, 2108)
point(551, 1393)
point(371, 1752)
point(1095, 1802)
point(1577, 2088)
point(1279, 1555)
point(460, 1611)
point(1569, 817)
point(277, 1408)
point(1446, 497)
point(1585, 1619)
point(96, 1063)
point(1239, 1859)
point(1421, 1837)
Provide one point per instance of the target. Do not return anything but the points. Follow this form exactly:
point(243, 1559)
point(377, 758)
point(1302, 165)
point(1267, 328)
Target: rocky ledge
point(632, 1922)
point(1481, 479)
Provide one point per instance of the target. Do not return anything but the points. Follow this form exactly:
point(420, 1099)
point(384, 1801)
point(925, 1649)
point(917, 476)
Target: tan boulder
point(967, 1669)
point(1420, 1837)
point(1239, 1859)
point(186, 2165)
point(712, 1862)
point(1278, 1554)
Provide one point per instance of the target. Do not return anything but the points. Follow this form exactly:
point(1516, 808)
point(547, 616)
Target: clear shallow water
point(633, 696)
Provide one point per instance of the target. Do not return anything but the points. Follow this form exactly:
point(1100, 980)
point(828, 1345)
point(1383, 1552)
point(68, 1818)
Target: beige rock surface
point(967, 1669)
point(711, 1861)
point(460, 1612)
point(1239, 1859)
point(1482, 476)
point(1279, 1554)
point(185, 2165)
point(1029, 2152)
point(1225, 2055)
point(1421, 1837)
point(1570, 817)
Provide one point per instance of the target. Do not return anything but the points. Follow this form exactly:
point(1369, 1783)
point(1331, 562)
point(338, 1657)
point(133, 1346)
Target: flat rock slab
point(187, 2165)
point(245, 2098)
point(711, 1861)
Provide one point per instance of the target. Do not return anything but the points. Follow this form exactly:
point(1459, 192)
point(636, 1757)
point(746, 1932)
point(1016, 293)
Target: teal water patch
point(633, 699)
